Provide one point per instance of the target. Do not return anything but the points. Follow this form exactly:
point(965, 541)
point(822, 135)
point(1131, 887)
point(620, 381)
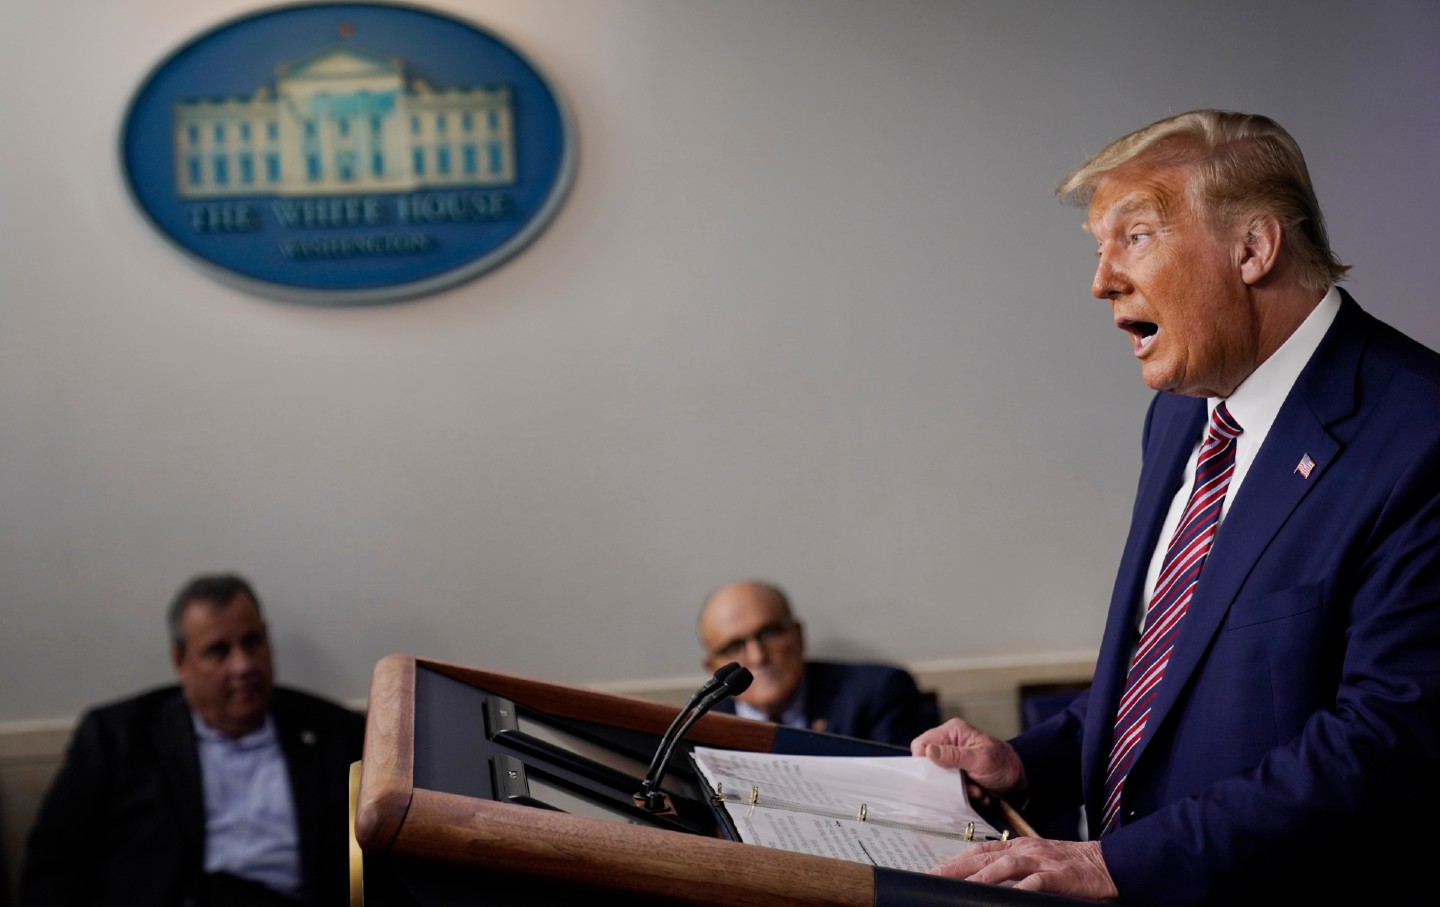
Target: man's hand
point(989, 762)
point(1075, 868)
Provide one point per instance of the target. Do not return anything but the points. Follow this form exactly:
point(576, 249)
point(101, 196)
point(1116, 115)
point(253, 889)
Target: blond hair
point(1244, 164)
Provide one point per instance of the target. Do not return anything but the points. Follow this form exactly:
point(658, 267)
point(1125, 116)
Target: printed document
point(901, 812)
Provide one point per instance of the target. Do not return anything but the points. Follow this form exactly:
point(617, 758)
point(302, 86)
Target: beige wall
point(808, 313)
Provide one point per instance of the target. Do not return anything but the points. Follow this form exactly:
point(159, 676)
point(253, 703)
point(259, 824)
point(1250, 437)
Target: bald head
point(751, 622)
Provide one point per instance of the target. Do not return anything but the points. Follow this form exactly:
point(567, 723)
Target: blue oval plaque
point(342, 153)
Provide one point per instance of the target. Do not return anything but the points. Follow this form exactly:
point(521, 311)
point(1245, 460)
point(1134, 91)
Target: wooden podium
point(482, 788)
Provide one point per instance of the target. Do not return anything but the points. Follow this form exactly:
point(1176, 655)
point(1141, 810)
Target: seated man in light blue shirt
point(250, 827)
point(223, 790)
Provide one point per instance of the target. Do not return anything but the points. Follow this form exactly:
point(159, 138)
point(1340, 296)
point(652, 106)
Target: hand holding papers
point(900, 812)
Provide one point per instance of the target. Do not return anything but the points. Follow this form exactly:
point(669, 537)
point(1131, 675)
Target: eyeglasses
point(767, 636)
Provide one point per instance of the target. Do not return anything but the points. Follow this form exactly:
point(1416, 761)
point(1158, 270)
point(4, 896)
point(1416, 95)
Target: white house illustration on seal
point(344, 121)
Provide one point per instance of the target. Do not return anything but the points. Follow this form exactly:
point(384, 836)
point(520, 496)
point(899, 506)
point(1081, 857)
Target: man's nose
point(755, 652)
point(1109, 282)
point(241, 661)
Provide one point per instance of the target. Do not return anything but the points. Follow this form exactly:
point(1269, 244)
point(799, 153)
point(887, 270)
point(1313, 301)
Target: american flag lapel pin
point(1305, 466)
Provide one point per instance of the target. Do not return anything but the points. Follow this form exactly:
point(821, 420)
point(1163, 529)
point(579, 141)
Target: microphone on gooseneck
point(706, 688)
point(730, 680)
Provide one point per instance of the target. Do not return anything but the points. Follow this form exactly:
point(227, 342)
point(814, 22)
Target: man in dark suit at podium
point(224, 790)
point(752, 623)
point(1264, 723)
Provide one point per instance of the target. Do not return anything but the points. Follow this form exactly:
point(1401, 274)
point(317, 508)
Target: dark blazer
point(868, 701)
point(124, 820)
point(1295, 740)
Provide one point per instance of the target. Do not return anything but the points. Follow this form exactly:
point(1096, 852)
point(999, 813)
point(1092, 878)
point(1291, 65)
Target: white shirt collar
point(1257, 401)
point(793, 714)
point(1254, 404)
point(263, 735)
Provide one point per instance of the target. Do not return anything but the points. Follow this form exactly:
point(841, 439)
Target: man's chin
point(766, 700)
point(250, 706)
point(1156, 378)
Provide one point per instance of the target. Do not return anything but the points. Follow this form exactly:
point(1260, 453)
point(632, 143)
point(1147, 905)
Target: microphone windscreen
point(738, 681)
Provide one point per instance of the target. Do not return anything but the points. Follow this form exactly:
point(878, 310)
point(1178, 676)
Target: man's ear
point(1261, 248)
point(175, 656)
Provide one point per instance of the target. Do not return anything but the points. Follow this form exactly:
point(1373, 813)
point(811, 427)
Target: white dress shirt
point(793, 716)
point(1254, 404)
point(250, 828)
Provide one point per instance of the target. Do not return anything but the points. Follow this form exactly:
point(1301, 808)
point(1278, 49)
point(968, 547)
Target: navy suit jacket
point(124, 820)
point(1294, 742)
point(868, 701)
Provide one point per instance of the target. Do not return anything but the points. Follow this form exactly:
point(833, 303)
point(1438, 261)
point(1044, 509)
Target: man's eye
point(1137, 238)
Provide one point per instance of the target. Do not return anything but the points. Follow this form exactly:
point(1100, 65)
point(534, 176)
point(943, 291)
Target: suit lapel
point(1175, 433)
point(818, 700)
point(298, 741)
point(173, 737)
point(1273, 488)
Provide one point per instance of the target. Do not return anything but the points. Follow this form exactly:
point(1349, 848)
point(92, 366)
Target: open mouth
point(1141, 332)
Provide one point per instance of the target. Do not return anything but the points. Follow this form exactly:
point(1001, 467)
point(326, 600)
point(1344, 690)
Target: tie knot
point(1223, 425)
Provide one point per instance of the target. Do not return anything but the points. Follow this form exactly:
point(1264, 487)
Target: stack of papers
point(901, 812)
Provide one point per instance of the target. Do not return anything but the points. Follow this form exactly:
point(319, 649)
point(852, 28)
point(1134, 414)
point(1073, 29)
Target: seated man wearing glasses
point(751, 622)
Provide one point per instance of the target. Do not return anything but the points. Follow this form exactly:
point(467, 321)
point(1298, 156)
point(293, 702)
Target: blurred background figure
point(222, 790)
point(751, 622)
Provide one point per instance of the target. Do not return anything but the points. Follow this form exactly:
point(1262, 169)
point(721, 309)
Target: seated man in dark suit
point(751, 622)
point(222, 790)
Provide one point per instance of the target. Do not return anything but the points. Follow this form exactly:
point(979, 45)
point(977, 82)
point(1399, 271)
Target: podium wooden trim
point(394, 818)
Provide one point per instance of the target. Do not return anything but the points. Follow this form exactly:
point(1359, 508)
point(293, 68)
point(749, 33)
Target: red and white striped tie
point(1186, 555)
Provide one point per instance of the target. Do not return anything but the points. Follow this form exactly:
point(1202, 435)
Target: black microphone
point(706, 688)
point(731, 680)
